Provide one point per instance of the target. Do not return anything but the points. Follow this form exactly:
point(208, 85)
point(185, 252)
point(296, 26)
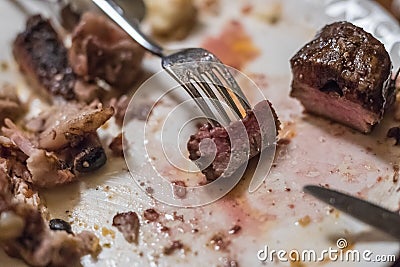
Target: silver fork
point(198, 79)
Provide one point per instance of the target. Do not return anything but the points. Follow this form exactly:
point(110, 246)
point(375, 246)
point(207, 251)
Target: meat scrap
point(42, 56)
point(128, 224)
point(24, 232)
point(200, 144)
point(151, 215)
point(100, 49)
point(344, 74)
point(63, 125)
point(62, 143)
point(174, 246)
point(45, 168)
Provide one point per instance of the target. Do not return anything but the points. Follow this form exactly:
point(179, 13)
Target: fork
point(205, 72)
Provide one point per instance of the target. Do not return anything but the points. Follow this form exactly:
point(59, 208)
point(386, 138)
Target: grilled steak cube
point(344, 74)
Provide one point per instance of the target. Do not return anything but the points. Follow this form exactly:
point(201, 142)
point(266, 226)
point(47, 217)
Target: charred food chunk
point(60, 225)
point(42, 56)
point(344, 74)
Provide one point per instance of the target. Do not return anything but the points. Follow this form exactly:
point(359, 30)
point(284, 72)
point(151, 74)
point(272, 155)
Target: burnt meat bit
point(42, 56)
point(89, 155)
point(344, 74)
point(60, 225)
point(200, 144)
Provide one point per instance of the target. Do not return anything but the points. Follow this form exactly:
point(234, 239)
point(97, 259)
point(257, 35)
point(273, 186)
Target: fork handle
point(116, 13)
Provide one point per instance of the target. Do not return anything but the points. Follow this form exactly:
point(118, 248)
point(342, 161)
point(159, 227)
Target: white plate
point(320, 153)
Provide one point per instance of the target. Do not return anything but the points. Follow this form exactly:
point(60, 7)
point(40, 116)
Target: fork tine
point(233, 85)
point(223, 92)
point(201, 103)
point(214, 99)
point(197, 97)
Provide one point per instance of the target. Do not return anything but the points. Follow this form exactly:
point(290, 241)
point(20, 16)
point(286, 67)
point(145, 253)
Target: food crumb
point(151, 215)
point(229, 263)
point(306, 220)
point(149, 190)
point(219, 242)
point(396, 170)
point(106, 245)
point(106, 232)
point(4, 66)
point(96, 227)
point(176, 245)
point(235, 229)
point(179, 189)
point(283, 141)
point(128, 224)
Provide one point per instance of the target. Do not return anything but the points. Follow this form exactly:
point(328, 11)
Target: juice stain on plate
point(233, 46)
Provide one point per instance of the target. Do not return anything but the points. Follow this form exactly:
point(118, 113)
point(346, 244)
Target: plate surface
point(279, 215)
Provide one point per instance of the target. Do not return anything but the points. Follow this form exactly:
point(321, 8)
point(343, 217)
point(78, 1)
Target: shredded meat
point(24, 230)
point(229, 144)
point(62, 143)
point(100, 49)
point(68, 123)
point(45, 167)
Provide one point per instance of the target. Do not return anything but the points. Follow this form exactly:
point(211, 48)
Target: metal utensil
point(196, 79)
point(367, 212)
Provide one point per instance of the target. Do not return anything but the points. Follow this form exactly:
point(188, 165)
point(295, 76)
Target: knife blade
point(367, 212)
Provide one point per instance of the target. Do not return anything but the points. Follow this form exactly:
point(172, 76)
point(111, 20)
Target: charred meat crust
point(220, 137)
point(351, 68)
point(42, 56)
point(90, 159)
